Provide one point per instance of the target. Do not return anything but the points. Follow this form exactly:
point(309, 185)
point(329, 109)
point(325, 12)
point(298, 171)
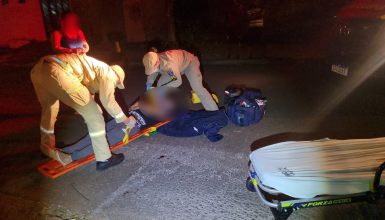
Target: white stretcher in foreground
point(293, 175)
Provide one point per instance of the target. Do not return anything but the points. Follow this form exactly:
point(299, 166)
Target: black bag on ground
point(244, 106)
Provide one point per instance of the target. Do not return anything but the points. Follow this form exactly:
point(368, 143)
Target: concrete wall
point(21, 22)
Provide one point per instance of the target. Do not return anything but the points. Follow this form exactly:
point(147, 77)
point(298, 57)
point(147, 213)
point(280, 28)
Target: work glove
point(130, 121)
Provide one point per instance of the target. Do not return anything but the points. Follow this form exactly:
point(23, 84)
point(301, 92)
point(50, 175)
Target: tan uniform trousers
point(50, 82)
point(194, 76)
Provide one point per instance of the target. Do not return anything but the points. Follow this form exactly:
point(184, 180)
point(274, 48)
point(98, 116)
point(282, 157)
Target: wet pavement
point(184, 178)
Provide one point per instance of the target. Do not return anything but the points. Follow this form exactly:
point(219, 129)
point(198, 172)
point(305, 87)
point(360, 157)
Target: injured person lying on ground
point(155, 106)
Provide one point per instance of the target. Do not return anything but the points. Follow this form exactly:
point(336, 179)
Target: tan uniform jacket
point(97, 77)
point(173, 62)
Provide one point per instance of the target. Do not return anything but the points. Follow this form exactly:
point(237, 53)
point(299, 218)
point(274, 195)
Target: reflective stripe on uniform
point(61, 63)
point(46, 131)
point(97, 133)
point(67, 68)
point(75, 88)
point(119, 115)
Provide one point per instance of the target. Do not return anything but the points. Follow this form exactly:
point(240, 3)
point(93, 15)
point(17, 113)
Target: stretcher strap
point(126, 137)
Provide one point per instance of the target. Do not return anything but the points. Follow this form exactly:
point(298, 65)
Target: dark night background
point(240, 29)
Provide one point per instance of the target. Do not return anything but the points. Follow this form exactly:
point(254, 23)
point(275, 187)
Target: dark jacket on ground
point(194, 123)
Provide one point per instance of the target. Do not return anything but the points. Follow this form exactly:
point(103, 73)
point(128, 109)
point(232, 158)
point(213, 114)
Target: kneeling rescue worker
point(171, 65)
point(73, 80)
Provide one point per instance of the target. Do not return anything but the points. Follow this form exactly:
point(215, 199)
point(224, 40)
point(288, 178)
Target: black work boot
point(115, 159)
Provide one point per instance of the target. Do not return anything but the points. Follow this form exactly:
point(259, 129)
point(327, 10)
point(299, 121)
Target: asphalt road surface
point(185, 178)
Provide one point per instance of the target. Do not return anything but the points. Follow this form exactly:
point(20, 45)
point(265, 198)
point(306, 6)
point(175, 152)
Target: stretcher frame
point(53, 169)
point(282, 206)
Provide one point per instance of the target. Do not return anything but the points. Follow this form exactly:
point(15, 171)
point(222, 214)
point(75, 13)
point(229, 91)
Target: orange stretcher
point(53, 169)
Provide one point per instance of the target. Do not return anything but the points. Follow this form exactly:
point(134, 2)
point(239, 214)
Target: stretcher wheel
point(249, 185)
point(281, 215)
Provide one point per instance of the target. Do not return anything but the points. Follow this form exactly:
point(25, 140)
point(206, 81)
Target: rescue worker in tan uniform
point(171, 65)
point(73, 80)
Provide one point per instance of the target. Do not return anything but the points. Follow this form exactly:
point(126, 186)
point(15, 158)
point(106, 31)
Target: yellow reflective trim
point(255, 183)
point(215, 97)
point(285, 205)
point(74, 89)
point(77, 90)
point(196, 100)
point(65, 66)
